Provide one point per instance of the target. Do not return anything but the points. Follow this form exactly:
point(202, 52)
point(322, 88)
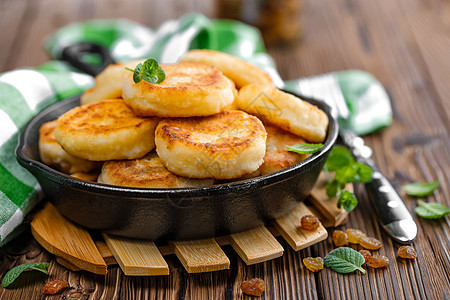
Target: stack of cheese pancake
point(213, 118)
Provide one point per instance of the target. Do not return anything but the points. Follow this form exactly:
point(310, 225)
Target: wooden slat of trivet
point(256, 245)
point(327, 223)
point(201, 255)
point(74, 244)
point(106, 253)
point(290, 229)
point(137, 257)
point(67, 264)
point(328, 206)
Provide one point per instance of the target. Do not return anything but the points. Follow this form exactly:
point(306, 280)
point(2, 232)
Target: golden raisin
point(313, 264)
point(309, 222)
point(54, 286)
point(340, 238)
point(370, 243)
point(354, 235)
point(378, 261)
point(407, 252)
point(253, 287)
point(366, 255)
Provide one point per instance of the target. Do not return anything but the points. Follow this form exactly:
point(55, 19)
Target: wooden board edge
point(91, 267)
point(223, 265)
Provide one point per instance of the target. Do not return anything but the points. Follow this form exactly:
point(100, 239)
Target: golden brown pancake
point(189, 89)
point(284, 110)
point(52, 154)
point(86, 176)
point(146, 172)
point(238, 70)
point(108, 84)
point(105, 130)
point(277, 155)
point(223, 146)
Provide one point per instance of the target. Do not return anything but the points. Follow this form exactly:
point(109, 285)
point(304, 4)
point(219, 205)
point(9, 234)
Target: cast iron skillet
point(175, 214)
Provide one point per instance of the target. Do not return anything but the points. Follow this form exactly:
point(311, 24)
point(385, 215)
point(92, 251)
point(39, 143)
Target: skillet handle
point(73, 55)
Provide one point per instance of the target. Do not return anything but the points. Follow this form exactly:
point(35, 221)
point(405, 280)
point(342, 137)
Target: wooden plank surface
point(201, 255)
point(297, 237)
point(137, 257)
point(403, 43)
point(67, 240)
point(256, 245)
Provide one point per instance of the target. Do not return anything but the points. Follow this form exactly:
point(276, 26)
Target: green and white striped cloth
point(24, 92)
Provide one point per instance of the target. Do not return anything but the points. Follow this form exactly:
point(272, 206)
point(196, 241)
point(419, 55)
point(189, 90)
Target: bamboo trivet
point(143, 258)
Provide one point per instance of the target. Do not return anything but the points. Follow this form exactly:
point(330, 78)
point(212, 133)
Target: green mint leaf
point(346, 174)
point(152, 72)
point(347, 200)
point(346, 170)
point(334, 188)
point(421, 189)
point(344, 260)
point(338, 158)
point(431, 210)
point(15, 272)
point(363, 173)
point(149, 71)
point(137, 76)
point(305, 148)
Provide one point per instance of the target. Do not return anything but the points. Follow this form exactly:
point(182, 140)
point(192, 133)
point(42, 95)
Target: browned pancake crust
point(223, 146)
point(101, 117)
point(86, 176)
point(189, 89)
point(277, 156)
point(146, 172)
point(47, 132)
point(215, 133)
point(238, 70)
point(53, 155)
point(105, 130)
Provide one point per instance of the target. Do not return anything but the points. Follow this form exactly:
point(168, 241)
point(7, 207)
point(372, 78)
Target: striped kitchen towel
point(26, 91)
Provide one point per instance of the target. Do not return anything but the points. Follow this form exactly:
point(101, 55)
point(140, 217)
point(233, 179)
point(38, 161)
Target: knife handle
point(389, 207)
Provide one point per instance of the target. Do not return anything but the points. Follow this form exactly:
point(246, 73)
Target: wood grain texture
point(201, 255)
point(256, 245)
point(403, 43)
point(137, 257)
point(106, 253)
point(66, 240)
point(297, 237)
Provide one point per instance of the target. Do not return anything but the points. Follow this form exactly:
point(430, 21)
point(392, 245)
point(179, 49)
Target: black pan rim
point(148, 193)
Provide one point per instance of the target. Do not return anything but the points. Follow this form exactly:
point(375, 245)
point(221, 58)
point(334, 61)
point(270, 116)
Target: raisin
point(253, 287)
point(378, 261)
point(309, 222)
point(366, 255)
point(313, 264)
point(370, 243)
point(340, 238)
point(407, 252)
point(354, 235)
point(54, 286)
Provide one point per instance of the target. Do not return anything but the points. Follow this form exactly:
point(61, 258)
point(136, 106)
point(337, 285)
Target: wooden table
point(404, 43)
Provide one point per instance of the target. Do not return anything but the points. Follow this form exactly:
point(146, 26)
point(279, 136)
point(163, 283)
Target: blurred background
point(321, 35)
